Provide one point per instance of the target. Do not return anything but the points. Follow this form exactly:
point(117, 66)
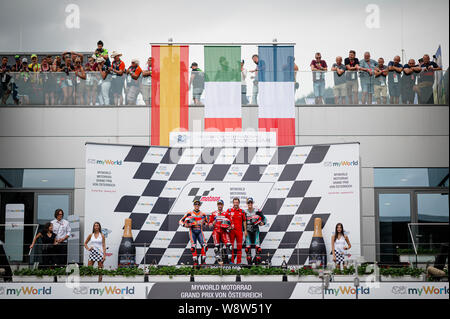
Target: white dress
point(96, 253)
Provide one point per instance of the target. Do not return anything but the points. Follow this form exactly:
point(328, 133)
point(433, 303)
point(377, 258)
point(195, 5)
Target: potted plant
point(34, 275)
point(303, 274)
point(168, 273)
point(402, 274)
point(215, 274)
point(260, 273)
point(423, 257)
point(133, 274)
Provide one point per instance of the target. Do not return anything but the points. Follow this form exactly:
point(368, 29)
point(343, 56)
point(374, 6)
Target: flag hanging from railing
point(276, 94)
point(439, 89)
point(223, 88)
point(169, 92)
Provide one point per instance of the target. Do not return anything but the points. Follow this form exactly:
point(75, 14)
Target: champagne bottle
point(127, 251)
point(317, 249)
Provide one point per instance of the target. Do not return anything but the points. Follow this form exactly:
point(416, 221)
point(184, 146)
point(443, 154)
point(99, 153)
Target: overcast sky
point(329, 26)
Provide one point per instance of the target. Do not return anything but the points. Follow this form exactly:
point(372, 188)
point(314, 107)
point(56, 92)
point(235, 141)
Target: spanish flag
point(169, 92)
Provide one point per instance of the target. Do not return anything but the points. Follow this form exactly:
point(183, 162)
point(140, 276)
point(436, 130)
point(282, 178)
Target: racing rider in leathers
point(194, 220)
point(255, 218)
point(221, 221)
point(239, 231)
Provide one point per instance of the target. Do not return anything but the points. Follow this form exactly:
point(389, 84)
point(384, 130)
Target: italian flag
point(276, 93)
point(170, 110)
point(223, 88)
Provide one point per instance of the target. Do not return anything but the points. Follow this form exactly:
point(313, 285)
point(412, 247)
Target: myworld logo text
point(105, 162)
point(26, 291)
point(347, 290)
point(341, 163)
point(107, 290)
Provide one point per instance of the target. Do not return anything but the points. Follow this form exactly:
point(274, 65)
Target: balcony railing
point(310, 88)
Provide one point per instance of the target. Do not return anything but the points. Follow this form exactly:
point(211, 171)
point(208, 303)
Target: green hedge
point(177, 271)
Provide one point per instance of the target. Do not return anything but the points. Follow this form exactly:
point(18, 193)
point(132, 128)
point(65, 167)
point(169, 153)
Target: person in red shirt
point(194, 220)
point(221, 221)
point(239, 231)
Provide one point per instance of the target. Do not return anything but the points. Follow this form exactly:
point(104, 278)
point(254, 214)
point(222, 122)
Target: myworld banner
point(156, 186)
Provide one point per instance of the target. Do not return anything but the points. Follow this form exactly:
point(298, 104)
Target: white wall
point(390, 136)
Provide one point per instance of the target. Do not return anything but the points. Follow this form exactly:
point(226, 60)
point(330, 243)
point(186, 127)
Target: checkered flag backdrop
point(156, 186)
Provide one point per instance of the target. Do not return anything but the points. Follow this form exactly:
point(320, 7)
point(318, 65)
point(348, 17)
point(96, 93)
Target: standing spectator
point(352, 65)
point(102, 52)
point(380, 88)
point(97, 250)
point(105, 80)
point(366, 74)
point(244, 100)
point(318, 68)
point(395, 72)
point(34, 66)
point(197, 82)
point(117, 70)
point(146, 84)
point(62, 230)
point(80, 81)
point(5, 78)
point(36, 96)
point(133, 81)
point(91, 80)
point(408, 81)
point(57, 68)
point(254, 77)
point(47, 81)
point(426, 80)
point(340, 88)
point(48, 244)
point(67, 80)
point(23, 81)
point(17, 64)
point(296, 84)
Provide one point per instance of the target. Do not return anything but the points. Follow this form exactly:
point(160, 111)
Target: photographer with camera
point(105, 79)
point(66, 80)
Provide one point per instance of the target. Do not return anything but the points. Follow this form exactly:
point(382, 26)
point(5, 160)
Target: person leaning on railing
point(380, 87)
point(395, 72)
point(91, 80)
point(105, 80)
point(48, 243)
point(352, 65)
point(426, 80)
point(340, 88)
point(66, 80)
point(48, 82)
point(408, 81)
point(117, 70)
point(366, 76)
point(80, 81)
point(133, 82)
point(146, 83)
point(318, 68)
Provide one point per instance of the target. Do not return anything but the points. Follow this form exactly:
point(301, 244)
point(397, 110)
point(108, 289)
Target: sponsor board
point(156, 186)
point(222, 139)
point(225, 290)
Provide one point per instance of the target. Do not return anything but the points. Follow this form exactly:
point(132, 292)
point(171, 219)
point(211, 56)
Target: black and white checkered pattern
point(290, 207)
point(339, 257)
point(95, 255)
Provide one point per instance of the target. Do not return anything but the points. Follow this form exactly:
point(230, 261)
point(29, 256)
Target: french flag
point(276, 92)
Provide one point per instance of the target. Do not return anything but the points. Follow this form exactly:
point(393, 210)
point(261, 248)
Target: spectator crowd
point(105, 80)
point(401, 82)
